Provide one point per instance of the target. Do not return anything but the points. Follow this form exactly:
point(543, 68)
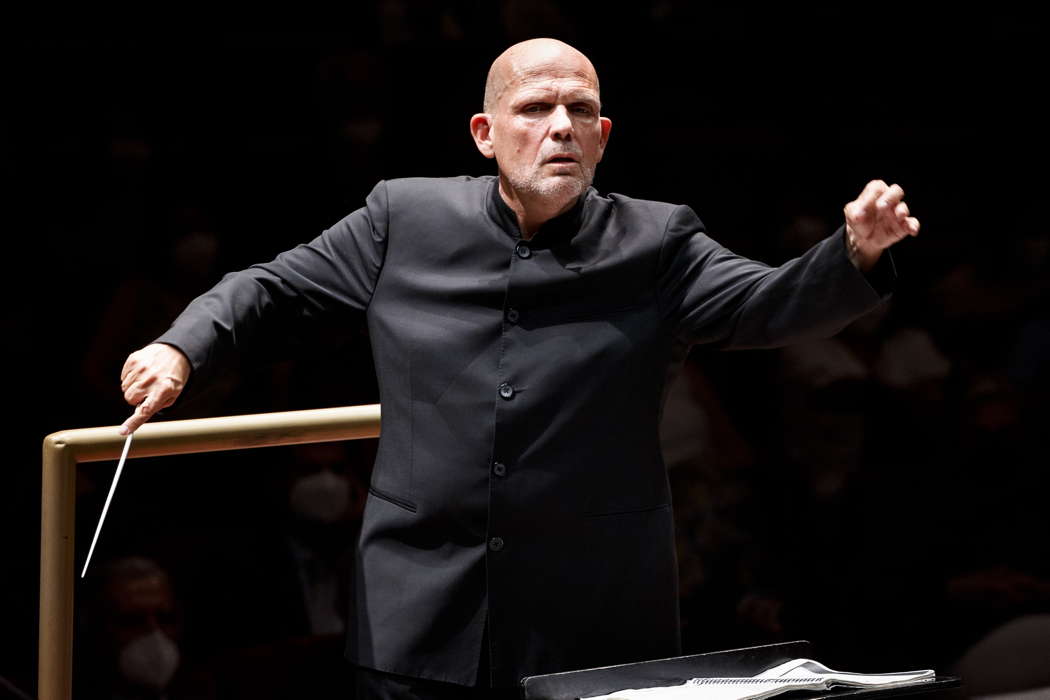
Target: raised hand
point(151, 380)
point(875, 220)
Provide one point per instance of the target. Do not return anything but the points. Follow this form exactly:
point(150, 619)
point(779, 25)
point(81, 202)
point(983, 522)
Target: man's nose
point(561, 123)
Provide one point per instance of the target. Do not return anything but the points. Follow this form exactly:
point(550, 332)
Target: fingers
point(889, 199)
point(128, 381)
point(151, 379)
point(127, 378)
point(135, 394)
point(155, 394)
point(909, 224)
point(861, 211)
point(888, 218)
point(886, 206)
point(879, 217)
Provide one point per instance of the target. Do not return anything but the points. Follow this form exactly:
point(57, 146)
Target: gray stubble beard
point(554, 187)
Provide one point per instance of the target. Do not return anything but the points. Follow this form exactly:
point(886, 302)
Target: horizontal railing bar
point(222, 433)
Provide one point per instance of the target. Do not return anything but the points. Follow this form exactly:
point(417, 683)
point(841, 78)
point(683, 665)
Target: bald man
point(518, 520)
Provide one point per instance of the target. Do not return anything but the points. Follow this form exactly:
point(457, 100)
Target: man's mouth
point(562, 158)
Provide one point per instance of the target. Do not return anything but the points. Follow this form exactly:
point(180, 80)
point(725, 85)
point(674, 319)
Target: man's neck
point(532, 212)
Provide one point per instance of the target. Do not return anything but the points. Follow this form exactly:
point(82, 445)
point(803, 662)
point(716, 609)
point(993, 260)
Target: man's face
point(545, 132)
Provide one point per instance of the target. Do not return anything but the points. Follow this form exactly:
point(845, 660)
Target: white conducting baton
point(105, 508)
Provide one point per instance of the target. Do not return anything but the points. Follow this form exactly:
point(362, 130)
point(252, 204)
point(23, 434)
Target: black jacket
point(519, 474)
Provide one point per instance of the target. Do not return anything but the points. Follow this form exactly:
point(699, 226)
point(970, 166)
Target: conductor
point(518, 520)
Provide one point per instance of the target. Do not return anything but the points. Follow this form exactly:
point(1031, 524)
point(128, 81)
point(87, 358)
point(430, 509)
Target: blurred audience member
point(130, 638)
point(278, 632)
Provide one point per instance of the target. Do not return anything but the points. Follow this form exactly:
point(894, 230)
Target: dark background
point(117, 145)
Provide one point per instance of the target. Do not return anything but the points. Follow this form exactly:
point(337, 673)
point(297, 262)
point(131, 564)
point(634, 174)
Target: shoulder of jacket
point(656, 213)
point(428, 186)
point(432, 195)
point(641, 206)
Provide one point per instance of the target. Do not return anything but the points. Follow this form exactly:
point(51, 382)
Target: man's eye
point(583, 109)
point(534, 108)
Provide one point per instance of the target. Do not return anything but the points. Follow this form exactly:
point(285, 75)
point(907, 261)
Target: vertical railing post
point(57, 575)
point(64, 450)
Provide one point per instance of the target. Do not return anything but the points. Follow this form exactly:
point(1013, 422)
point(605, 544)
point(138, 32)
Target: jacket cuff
point(882, 277)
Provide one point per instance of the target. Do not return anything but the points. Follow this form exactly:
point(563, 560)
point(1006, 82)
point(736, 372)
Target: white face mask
point(150, 660)
point(323, 496)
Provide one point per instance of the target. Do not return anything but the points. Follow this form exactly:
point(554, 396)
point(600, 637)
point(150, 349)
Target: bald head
point(532, 58)
point(543, 125)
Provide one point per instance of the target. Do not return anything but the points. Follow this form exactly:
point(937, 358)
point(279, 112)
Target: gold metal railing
point(64, 450)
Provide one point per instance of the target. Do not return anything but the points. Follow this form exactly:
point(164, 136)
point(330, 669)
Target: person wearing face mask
point(325, 499)
point(134, 632)
point(321, 496)
point(518, 519)
point(296, 567)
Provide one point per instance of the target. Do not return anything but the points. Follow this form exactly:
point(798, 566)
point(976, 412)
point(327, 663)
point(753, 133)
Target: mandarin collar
point(563, 226)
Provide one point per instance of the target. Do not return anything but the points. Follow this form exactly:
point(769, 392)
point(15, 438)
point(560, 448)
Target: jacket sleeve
point(710, 295)
point(333, 274)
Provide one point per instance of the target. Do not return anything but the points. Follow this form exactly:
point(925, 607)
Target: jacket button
point(506, 390)
point(496, 544)
point(523, 251)
point(512, 315)
point(499, 469)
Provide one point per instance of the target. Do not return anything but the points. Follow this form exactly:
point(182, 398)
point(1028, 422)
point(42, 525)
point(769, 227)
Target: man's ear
point(606, 126)
point(481, 130)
